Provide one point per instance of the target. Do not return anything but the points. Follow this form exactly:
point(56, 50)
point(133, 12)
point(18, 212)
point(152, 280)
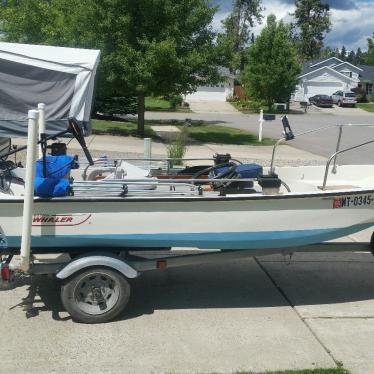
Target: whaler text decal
point(352, 201)
point(59, 219)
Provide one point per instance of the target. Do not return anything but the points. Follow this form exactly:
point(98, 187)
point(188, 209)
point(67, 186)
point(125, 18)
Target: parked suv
point(342, 98)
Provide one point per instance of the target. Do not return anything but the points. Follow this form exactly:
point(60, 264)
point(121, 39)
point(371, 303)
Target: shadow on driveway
point(235, 284)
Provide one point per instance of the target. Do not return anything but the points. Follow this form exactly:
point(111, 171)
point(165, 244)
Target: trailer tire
point(95, 295)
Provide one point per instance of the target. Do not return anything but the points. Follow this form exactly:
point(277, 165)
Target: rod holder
point(28, 203)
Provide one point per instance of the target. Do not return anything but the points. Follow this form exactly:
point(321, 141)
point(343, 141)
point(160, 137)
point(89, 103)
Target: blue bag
point(54, 185)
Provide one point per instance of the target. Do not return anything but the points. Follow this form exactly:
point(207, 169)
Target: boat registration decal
point(352, 201)
point(59, 219)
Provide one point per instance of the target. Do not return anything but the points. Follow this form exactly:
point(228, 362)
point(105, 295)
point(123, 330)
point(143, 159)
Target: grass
point(199, 131)
point(265, 108)
point(225, 135)
point(369, 107)
point(159, 104)
point(308, 371)
point(101, 127)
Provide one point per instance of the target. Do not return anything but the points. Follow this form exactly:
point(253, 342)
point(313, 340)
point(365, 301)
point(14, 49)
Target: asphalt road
point(320, 143)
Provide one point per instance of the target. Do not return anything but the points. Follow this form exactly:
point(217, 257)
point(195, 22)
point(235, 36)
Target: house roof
point(324, 60)
point(367, 73)
point(329, 69)
point(348, 63)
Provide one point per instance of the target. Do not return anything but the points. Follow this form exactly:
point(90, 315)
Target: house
point(367, 78)
point(326, 76)
point(215, 92)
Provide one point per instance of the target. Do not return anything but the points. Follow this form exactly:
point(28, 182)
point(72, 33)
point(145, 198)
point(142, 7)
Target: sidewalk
point(286, 155)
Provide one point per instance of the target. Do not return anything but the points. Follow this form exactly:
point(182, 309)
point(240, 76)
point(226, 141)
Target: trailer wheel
point(95, 295)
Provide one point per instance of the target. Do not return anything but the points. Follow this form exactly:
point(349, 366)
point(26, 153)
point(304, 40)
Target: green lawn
point(225, 135)
point(120, 128)
point(200, 132)
point(309, 371)
point(245, 107)
point(159, 104)
point(369, 107)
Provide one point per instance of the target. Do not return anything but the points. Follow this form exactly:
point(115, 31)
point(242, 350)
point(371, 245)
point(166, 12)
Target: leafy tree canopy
point(272, 69)
point(237, 35)
point(312, 22)
point(158, 47)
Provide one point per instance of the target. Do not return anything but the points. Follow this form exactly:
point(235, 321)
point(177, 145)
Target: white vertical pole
point(28, 202)
point(148, 150)
point(261, 121)
point(41, 109)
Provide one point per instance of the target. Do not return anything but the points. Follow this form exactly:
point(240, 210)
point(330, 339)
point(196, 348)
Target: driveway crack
point(303, 320)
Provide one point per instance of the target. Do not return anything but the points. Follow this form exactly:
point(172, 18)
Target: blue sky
point(352, 20)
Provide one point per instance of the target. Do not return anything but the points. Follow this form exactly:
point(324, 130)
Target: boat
point(273, 208)
point(117, 204)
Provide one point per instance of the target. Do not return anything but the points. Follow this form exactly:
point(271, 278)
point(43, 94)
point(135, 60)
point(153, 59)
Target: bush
point(361, 94)
point(110, 106)
point(175, 101)
point(372, 97)
point(178, 148)
point(250, 105)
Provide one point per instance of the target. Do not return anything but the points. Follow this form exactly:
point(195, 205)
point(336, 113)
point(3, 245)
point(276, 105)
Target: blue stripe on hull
point(222, 240)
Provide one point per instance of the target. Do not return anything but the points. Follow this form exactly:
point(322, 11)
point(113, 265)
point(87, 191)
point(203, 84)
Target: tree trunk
point(141, 110)
point(270, 106)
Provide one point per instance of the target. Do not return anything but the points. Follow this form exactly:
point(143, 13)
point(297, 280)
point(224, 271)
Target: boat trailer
point(95, 285)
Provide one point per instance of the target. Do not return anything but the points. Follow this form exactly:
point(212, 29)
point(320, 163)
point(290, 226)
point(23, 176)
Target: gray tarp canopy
point(62, 78)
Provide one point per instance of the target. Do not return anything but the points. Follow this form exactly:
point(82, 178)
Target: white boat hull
point(236, 222)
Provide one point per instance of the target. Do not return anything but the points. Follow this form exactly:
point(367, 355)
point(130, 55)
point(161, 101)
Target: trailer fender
point(97, 260)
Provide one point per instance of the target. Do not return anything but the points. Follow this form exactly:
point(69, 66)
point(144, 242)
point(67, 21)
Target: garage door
point(208, 93)
point(322, 88)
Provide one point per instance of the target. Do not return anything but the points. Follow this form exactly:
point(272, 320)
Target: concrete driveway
point(212, 107)
point(259, 314)
point(341, 111)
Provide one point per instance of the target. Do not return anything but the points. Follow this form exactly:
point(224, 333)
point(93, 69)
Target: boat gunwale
point(238, 197)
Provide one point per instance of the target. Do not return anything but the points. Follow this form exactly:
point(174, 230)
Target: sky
point(352, 20)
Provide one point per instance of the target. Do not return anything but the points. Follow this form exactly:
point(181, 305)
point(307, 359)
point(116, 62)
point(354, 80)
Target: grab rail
point(334, 155)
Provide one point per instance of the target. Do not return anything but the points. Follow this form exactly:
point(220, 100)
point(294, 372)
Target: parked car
point(321, 100)
point(344, 98)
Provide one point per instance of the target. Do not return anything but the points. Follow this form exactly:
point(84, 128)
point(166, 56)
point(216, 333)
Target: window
point(369, 88)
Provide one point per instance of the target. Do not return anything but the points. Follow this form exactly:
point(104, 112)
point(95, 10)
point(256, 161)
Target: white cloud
point(351, 25)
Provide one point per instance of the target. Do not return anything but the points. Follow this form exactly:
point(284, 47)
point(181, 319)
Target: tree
point(272, 69)
point(237, 35)
point(312, 21)
point(369, 58)
point(351, 58)
point(328, 52)
point(160, 47)
point(359, 56)
point(343, 53)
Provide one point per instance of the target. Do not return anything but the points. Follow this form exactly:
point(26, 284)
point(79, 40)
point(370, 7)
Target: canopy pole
point(41, 109)
point(33, 116)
